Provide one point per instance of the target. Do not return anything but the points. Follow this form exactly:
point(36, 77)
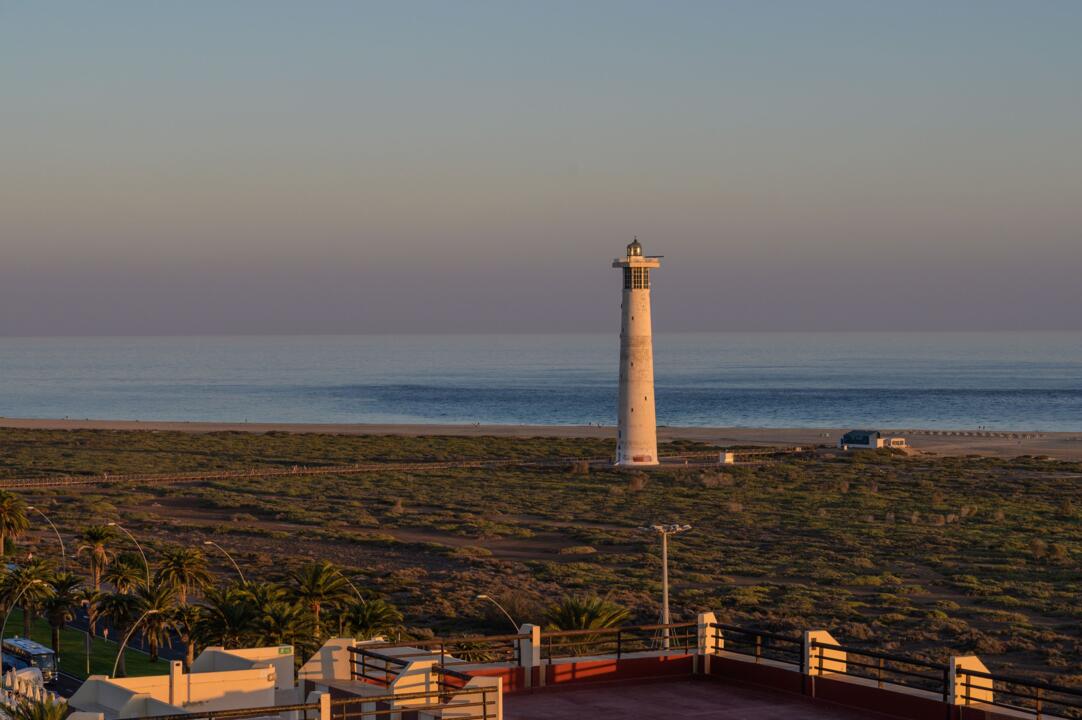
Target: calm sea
point(936, 380)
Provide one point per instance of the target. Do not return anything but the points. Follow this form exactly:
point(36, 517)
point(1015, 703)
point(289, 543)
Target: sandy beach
point(1060, 445)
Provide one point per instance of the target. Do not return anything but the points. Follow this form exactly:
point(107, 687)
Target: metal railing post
point(1037, 698)
point(758, 648)
point(879, 676)
point(619, 643)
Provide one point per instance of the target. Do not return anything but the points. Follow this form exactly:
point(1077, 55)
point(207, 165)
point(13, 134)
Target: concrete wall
point(330, 662)
point(280, 657)
point(210, 690)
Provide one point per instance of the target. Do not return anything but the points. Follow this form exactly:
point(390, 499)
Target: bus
point(23, 651)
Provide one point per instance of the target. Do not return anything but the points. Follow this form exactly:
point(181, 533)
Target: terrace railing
point(374, 668)
point(477, 703)
point(759, 644)
point(471, 650)
point(678, 638)
point(814, 653)
point(880, 667)
point(1034, 697)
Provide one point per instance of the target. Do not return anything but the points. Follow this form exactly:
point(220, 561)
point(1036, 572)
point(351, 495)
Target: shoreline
point(992, 443)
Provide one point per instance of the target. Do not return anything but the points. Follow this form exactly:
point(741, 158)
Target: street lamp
point(14, 603)
point(63, 555)
point(665, 531)
point(226, 553)
point(507, 614)
point(350, 583)
point(132, 629)
point(86, 635)
point(138, 546)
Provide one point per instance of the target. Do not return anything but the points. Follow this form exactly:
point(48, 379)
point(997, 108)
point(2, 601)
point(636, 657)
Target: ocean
point(1018, 381)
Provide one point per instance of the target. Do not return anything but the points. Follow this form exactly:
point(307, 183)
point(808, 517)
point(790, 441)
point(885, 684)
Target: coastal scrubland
point(922, 555)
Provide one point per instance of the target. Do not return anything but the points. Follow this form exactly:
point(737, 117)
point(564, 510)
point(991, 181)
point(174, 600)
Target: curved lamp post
point(350, 583)
point(132, 629)
point(137, 545)
point(507, 614)
point(14, 603)
point(226, 553)
point(63, 554)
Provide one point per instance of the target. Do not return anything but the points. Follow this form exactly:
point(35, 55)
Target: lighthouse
point(636, 430)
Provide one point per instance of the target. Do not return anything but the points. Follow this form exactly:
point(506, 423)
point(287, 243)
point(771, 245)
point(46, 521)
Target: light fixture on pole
point(14, 603)
point(504, 611)
point(665, 531)
point(138, 547)
point(226, 553)
point(124, 642)
point(63, 554)
point(350, 583)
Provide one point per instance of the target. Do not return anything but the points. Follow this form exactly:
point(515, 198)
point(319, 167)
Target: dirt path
point(1060, 445)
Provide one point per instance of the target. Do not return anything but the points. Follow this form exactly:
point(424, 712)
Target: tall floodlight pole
point(63, 554)
point(137, 546)
point(665, 531)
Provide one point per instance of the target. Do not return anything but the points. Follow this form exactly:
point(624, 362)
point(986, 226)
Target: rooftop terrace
point(702, 669)
point(686, 698)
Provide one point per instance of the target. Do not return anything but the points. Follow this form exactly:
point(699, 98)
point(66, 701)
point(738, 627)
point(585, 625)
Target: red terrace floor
point(664, 700)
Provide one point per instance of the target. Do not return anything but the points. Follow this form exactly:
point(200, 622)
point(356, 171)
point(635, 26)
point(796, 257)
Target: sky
point(354, 167)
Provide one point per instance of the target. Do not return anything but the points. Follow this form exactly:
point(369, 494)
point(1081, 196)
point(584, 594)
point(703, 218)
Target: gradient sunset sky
point(324, 167)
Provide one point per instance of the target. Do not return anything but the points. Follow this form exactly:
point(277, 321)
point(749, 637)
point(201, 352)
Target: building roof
point(860, 436)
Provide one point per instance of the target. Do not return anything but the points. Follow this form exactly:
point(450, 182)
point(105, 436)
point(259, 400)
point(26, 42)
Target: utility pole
point(665, 531)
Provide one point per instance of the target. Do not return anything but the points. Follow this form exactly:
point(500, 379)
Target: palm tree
point(13, 520)
point(283, 623)
point(184, 569)
point(47, 708)
point(60, 608)
point(155, 605)
point(588, 612)
point(186, 620)
point(319, 585)
point(124, 575)
point(29, 584)
point(90, 598)
point(227, 618)
point(95, 545)
point(262, 594)
point(119, 610)
point(366, 620)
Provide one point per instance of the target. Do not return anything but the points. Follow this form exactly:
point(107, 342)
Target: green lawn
point(102, 652)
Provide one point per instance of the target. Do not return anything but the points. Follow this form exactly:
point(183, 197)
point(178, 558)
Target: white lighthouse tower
point(636, 434)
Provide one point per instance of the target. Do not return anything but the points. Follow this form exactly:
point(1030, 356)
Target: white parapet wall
point(220, 680)
point(966, 689)
point(822, 660)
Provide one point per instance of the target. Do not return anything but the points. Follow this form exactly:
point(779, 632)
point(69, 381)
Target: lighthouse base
point(637, 461)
